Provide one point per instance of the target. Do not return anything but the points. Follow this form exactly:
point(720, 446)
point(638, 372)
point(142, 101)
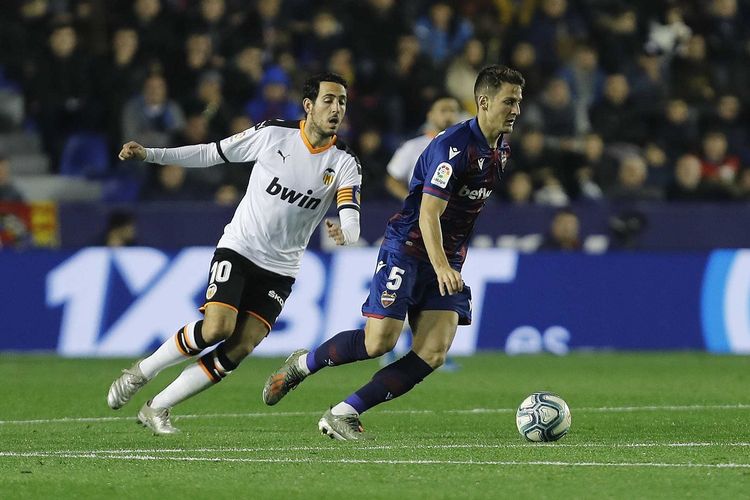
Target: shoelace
point(354, 423)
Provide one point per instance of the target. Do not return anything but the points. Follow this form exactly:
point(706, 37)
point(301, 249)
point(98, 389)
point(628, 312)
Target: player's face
point(504, 107)
point(327, 112)
point(444, 113)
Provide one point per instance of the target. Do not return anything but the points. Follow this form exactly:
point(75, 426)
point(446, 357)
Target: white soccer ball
point(543, 416)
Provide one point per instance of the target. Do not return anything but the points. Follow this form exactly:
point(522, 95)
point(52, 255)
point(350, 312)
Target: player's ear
point(307, 105)
point(482, 102)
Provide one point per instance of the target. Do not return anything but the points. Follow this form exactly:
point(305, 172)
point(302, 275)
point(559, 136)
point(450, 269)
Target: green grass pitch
point(661, 425)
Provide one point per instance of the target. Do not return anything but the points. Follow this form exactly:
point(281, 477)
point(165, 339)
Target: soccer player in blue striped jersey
point(418, 271)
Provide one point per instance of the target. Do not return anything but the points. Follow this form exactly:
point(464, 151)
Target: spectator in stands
point(555, 115)
point(564, 232)
point(122, 73)
point(585, 80)
point(669, 32)
point(692, 74)
point(442, 114)
point(171, 183)
point(462, 73)
point(381, 20)
point(519, 188)
point(718, 163)
point(688, 183)
point(551, 191)
point(523, 58)
point(531, 153)
point(414, 82)
point(156, 29)
point(618, 35)
point(274, 100)
point(151, 117)
point(727, 116)
point(677, 132)
point(198, 59)
point(552, 31)
point(631, 185)
point(374, 158)
point(8, 192)
point(590, 167)
point(212, 105)
point(327, 35)
point(60, 93)
point(244, 73)
point(649, 83)
point(614, 117)
point(442, 33)
point(121, 230)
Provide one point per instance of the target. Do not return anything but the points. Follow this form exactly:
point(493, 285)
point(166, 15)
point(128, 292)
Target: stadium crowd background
point(624, 100)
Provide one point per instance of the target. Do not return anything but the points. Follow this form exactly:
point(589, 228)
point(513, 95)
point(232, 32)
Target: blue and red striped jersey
point(460, 167)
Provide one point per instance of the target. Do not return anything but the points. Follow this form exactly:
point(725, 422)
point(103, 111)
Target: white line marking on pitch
point(375, 461)
point(121, 451)
point(605, 409)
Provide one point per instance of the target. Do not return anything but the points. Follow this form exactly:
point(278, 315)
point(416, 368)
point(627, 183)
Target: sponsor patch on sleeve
point(442, 175)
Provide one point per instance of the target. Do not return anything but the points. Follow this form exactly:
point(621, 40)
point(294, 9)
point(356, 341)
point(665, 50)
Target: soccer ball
point(543, 416)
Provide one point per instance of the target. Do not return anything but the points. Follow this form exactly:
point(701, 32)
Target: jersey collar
point(310, 147)
point(479, 138)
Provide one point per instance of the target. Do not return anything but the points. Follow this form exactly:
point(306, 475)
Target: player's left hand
point(335, 232)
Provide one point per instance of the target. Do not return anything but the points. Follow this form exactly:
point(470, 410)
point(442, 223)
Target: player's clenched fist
point(335, 232)
point(132, 151)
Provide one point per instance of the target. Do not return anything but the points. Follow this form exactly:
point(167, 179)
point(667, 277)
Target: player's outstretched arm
point(132, 151)
point(432, 207)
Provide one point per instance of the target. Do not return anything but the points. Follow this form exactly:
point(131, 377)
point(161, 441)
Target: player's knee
point(377, 345)
point(216, 331)
point(434, 358)
point(238, 352)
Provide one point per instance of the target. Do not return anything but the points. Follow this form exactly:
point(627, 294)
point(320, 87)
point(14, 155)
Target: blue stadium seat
point(85, 154)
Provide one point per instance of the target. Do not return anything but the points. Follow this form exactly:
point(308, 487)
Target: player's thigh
point(218, 322)
point(434, 334)
point(226, 284)
point(248, 333)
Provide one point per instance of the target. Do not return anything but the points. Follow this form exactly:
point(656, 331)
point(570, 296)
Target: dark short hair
point(311, 86)
point(492, 77)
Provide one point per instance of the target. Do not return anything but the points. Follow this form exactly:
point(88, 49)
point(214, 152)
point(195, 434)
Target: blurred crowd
point(624, 100)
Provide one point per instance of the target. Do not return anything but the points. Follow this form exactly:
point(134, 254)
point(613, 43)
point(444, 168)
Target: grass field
point(644, 426)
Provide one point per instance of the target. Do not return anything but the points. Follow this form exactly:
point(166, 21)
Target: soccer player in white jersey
point(300, 169)
point(443, 113)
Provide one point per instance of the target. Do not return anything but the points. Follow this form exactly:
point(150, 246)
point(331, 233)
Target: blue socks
point(344, 347)
point(394, 380)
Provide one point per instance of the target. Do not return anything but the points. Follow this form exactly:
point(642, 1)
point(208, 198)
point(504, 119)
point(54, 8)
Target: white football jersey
point(290, 190)
point(291, 187)
point(402, 163)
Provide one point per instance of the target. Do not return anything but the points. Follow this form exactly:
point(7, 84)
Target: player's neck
point(314, 136)
point(490, 133)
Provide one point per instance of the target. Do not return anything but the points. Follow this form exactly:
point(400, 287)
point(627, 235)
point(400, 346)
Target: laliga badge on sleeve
point(442, 175)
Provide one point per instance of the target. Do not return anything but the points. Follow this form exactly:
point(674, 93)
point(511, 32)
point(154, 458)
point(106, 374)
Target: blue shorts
point(403, 284)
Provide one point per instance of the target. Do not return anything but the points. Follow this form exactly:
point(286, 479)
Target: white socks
point(302, 363)
point(175, 349)
point(344, 409)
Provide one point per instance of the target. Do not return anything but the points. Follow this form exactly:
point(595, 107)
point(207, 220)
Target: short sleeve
point(401, 165)
point(243, 146)
point(443, 164)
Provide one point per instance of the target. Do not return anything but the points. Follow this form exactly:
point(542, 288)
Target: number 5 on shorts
point(394, 279)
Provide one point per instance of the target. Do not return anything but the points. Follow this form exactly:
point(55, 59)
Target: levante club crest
point(387, 298)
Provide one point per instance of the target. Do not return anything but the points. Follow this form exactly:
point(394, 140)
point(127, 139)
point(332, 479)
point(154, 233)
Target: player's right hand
point(132, 151)
point(449, 280)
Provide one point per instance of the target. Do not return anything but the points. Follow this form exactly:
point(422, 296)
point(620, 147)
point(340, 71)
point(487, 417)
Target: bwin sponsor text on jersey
point(291, 196)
